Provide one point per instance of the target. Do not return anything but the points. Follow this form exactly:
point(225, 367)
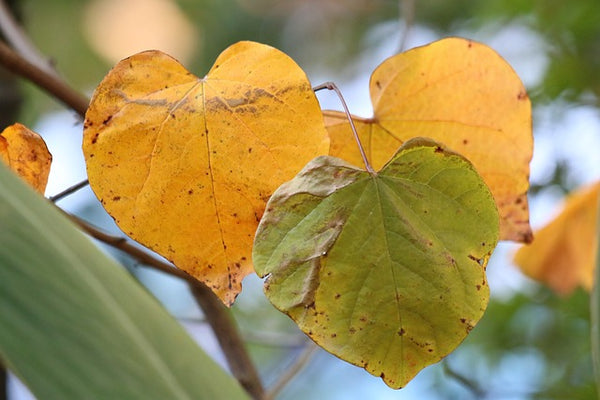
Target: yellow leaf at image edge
point(563, 253)
point(185, 165)
point(460, 93)
point(25, 152)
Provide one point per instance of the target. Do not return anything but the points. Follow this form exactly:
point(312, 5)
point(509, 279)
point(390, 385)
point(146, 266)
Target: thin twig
point(478, 392)
point(407, 15)
point(17, 38)
point(68, 191)
point(215, 312)
point(332, 86)
point(291, 372)
point(55, 87)
point(230, 340)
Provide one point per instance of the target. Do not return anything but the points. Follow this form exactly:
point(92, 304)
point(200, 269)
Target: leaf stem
point(216, 314)
point(332, 86)
point(48, 82)
point(68, 191)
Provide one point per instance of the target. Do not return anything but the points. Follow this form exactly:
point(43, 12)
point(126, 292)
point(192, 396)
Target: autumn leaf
point(460, 93)
point(25, 152)
point(185, 165)
point(564, 252)
point(385, 271)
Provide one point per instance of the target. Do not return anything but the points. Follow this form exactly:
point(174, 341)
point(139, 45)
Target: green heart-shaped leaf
point(385, 271)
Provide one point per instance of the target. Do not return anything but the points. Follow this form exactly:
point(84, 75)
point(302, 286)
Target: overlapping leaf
point(185, 165)
point(564, 252)
point(25, 152)
point(460, 93)
point(385, 271)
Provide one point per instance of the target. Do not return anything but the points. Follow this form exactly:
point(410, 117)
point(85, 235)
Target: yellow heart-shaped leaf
point(460, 93)
point(185, 165)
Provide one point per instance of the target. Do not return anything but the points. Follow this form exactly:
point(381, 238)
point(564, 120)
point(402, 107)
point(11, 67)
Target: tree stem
point(332, 86)
point(16, 37)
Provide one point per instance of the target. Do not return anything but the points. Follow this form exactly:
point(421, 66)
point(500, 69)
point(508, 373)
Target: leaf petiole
point(332, 86)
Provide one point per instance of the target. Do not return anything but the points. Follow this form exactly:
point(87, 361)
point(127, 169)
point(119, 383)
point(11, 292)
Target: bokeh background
point(531, 343)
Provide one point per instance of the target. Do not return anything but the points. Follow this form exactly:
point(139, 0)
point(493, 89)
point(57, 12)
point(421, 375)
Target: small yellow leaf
point(460, 93)
point(25, 152)
point(185, 165)
point(563, 254)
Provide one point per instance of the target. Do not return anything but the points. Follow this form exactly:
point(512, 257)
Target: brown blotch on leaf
point(522, 95)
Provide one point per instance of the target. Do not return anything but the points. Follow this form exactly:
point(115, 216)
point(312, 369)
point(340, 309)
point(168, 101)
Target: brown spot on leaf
point(522, 95)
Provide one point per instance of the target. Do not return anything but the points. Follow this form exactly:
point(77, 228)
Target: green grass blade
point(75, 325)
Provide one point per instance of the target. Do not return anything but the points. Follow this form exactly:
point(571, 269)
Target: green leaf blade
point(400, 280)
point(76, 325)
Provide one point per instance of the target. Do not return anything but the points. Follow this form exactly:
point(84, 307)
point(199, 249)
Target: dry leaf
point(563, 254)
point(460, 93)
point(25, 152)
point(185, 165)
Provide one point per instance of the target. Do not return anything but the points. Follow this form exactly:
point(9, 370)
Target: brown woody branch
point(44, 80)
